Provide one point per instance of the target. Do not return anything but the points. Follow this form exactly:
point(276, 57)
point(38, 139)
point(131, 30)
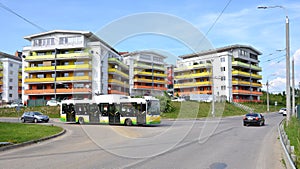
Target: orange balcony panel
point(45, 91)
point(117, 92)
point(247, 92)
point(149, 87)
point(245, 101)
point(193, 92)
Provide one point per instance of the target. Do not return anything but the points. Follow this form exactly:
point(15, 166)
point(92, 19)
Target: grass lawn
point(293, 132)
point(51, 111)
point(18, 132)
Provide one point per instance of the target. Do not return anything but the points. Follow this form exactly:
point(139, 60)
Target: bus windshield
point(153, 107)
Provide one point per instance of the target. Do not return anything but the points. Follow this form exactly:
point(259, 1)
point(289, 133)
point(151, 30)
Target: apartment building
point(63, 64)
point(147, 73)
point(230, 72)
point(10, 78)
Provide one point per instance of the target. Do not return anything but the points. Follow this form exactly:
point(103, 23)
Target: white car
point(53, 103)
point(14, 105)
point(283, 111)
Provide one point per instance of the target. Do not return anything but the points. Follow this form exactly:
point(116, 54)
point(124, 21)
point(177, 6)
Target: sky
point(176, 27)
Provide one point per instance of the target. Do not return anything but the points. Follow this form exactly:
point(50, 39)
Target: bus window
point(64, 109)
point(103, 109)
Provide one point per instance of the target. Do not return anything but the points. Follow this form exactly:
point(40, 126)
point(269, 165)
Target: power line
point(20, 16)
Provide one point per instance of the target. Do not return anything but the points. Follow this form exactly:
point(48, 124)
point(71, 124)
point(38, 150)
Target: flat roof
point(5, 55)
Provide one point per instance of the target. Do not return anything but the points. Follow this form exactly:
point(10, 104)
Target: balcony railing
point(240, 82)
point(185, 68)
point(52, 91)
point(193, 75)
point(141, 65)
point(120, 83)
point(246, 101)
point(149, 80)
point(113, 70)
point(241, 73)
point(62, 67)
point(111, 60)
point(149, 74)
point(149, 87)
point(58, 79)
point(246, 92)
point(192, 84)
point(241, 64)
point(117, 92)
point(59, 56)
point(193, 92)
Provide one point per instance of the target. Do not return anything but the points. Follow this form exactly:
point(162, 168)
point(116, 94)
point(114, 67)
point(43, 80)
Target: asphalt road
point(204, 144)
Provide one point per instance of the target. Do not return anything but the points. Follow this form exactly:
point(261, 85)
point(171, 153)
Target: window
point(79, 73)
point(40, 76)
point(10, 80)
point(222, 69)
point(66, 74)
point(223, 78)
point(222, 59)
point(11, 65)
point(11, 72)
point(10, 95)
point(223, 87)
point(10, 87)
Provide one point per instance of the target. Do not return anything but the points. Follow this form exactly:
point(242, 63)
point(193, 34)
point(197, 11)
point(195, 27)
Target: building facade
point(230, 72)
point(147, 73)
point(10, 77)
point(62, 64)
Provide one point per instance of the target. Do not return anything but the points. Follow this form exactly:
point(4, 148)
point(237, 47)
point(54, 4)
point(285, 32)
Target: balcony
point(115, 60)
point(149, 87)
point(192, 84)
point(120, 83)
point(193, 75)
point(117, 92)
point(59, 56)
point(182, 93)
point(149, 74)
point(240, 82)
point(246, 101)
point(58, 79)
point(63, 67)
point(149, 80)
point(245, 74)
point(113, 70)
point(185, 68)
point(145, 66)
point(245, 65)
point(247, 92)
point(58, 91)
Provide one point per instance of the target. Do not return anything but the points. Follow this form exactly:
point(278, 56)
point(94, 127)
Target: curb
point(287, 155)
point(9, 147)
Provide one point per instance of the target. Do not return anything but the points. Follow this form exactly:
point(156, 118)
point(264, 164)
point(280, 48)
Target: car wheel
point(23, 120)
point(81, 120)
point(35, 120)
point(244, 124)
point(128, 122)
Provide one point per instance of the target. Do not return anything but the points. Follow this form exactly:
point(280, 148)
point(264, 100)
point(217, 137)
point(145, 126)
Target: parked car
point(254, 118)
point(53, 103)
point(282, 111)
point(34, 117)
point(14, 105)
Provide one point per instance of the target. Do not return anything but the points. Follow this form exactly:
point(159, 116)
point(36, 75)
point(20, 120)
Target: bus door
point(70, 112)
point(94, 113)
point(141, 114)
point(114, 114)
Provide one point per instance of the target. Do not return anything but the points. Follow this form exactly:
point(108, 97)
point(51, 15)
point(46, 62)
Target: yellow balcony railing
point(149, 66)
point(1, 74)
point(192, 84)
point(62, 67)
point(237, 63)
point(1, 82)
point(117, 61)
point(149, 80)
point(113, 70)
point(149, 74)
point(240, 82)
point(185, 68)
point(73, 78)
point(194, 75)
point(121, 83)
point(241, 73)
point(59, 56)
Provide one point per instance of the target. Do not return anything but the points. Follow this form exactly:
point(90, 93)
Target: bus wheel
point(81, 120)
point(128, 122)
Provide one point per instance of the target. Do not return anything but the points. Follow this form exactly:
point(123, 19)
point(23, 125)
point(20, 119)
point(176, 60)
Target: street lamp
point(288, 92)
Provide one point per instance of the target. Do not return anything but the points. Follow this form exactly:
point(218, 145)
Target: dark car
point(34, 117)
point(254, 119)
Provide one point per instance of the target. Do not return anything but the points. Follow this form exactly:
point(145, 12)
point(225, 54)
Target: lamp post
point(288, 92)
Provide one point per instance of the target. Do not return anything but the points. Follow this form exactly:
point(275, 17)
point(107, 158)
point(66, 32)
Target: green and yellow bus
point(112, 109)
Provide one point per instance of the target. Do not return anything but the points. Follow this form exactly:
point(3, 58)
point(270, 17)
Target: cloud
point(296, 56)
point(277, 85)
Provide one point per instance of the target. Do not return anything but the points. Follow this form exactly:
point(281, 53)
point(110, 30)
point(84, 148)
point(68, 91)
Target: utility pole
point(268, 103)
point(293, 88)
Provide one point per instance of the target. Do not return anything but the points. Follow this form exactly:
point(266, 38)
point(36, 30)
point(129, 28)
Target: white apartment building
point(230, 72)
point(65, 64)
point(9, 77)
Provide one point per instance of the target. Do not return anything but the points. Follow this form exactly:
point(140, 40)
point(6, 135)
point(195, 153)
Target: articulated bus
point(112, 109)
